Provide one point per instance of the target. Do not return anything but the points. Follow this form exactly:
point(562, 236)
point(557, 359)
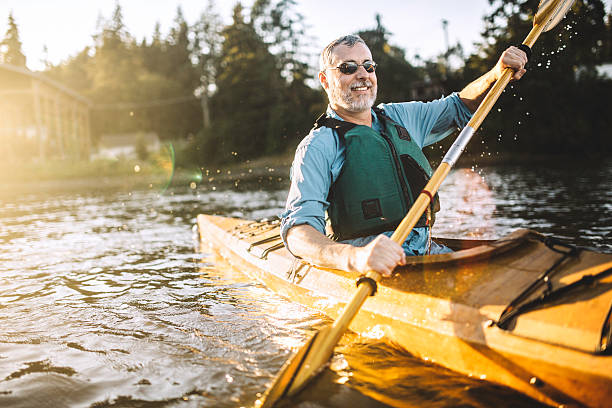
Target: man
point(365, 165)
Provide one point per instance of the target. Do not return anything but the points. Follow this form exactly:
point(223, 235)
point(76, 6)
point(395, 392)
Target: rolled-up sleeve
point(430, 122)
point(311, 178)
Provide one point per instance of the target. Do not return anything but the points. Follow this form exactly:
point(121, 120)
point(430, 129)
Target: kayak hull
point(443, 308)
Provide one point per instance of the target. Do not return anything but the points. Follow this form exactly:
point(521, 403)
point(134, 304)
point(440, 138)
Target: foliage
point(206, 48)
point(249, 94)
point(242, 90)
point(137, 87)
point(256, 109)
point(284, 32)
point(559, 106)
point(10, 47)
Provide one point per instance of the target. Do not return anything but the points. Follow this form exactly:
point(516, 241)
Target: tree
point(74, 73)
point(114, 74)
point(247, 106)
point(10, 47)
point(283, 30)
point(178, 69)
point(207, 46)
point(152, 54)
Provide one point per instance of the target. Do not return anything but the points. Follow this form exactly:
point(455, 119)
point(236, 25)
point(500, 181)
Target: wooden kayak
point(525, 311)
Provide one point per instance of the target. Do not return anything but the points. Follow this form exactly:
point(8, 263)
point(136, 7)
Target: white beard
point(351, 103)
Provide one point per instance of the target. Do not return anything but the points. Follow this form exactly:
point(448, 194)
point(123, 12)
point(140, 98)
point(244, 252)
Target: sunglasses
point(349, 68)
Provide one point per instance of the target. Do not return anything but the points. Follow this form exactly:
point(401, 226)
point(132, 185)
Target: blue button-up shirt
point(320, 156)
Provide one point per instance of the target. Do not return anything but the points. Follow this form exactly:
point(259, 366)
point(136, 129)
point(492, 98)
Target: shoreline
point(137, 174)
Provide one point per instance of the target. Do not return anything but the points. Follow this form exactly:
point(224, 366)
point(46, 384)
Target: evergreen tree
point(114, 74)
point(74, 73)
point(247, 104)
point(137, 87)
point(207, 45)
point(181, 76)
point(283, 30)
point(178, 54)
point(153, 56)
point(10, 47)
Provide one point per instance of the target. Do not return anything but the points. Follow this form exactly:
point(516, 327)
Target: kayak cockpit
point(489, 278)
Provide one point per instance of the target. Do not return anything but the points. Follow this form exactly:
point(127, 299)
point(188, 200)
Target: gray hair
point(350, 40)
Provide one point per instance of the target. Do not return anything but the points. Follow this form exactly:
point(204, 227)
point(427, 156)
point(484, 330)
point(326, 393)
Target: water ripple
point(105, 300)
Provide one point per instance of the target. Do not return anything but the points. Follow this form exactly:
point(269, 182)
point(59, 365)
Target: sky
point(65, 27)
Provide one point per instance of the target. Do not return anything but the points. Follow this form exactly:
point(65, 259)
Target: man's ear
point(323, 80)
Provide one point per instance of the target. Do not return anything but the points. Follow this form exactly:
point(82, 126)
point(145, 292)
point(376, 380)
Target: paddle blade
point(550, 12)
point(299, 370)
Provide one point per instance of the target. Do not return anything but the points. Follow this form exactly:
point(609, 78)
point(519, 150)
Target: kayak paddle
point(317, 351)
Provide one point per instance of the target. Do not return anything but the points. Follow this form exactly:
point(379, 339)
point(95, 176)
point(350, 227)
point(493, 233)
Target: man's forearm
point(476, 90)
point(381, 255)
point(315, 248)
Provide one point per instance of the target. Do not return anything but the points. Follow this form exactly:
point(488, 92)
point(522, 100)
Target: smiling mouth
point(361, 86)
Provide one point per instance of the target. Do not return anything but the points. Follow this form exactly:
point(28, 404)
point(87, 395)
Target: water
point(106, 299)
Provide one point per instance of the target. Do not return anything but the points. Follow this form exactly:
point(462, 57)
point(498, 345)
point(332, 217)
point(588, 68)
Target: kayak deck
point(444, 308)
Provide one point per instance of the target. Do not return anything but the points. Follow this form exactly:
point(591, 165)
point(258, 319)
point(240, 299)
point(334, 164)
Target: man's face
point(353, 92)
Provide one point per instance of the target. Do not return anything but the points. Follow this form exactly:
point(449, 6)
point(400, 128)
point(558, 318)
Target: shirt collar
point(332, 114)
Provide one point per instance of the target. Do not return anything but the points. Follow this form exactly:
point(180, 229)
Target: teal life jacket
point(382, 175)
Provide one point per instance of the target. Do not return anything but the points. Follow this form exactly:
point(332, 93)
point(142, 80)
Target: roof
point(54, 84)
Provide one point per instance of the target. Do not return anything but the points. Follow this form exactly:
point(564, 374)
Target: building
point(126, 146)
point(41, 118)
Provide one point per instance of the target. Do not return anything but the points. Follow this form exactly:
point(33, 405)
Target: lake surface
point(106, 299)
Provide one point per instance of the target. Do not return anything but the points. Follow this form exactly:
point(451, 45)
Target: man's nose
point(361, 72)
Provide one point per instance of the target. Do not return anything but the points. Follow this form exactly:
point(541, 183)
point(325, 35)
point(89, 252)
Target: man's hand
point(511, 58)
point(381, 255)
point(476, 90)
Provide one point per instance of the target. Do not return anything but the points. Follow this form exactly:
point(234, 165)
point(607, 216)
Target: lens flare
point(165, 162)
